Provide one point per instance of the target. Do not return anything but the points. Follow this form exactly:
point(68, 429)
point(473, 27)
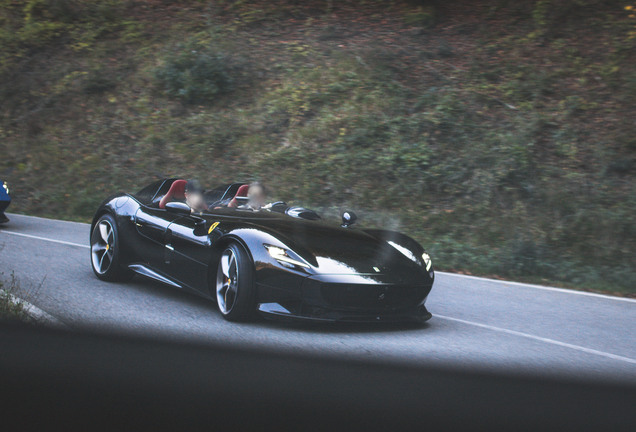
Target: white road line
point(17, 215)
point(540, 339)
point(45, 239)
point(541, 287)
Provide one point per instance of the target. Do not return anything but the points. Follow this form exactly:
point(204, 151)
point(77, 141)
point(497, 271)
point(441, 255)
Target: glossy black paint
point(347, 273)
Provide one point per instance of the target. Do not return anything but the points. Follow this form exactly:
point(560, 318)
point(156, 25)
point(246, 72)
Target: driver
point(194, 196)
point(256, 197)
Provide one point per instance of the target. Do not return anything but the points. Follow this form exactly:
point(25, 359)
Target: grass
point(497, 133)
point(11, 307)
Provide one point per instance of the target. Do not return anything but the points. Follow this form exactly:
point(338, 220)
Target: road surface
point(477, 323)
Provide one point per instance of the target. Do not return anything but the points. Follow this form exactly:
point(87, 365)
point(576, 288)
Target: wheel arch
point(108, 206)
point(98, 214)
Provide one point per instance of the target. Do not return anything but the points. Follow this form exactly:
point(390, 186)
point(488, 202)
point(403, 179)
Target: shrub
point(195, 76)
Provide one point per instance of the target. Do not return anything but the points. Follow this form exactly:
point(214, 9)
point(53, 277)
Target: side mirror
point(179, 208)
point(348, 218)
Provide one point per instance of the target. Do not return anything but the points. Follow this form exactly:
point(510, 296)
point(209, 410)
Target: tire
point(235, 284)
point(106, 251)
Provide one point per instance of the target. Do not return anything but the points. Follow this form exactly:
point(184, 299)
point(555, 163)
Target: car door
point(152, 225)
point(189, 253)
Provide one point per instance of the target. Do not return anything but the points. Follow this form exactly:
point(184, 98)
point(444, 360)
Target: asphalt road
point(477, 323)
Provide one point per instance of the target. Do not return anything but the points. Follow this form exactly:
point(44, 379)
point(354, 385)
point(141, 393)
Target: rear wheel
point(106, 251)
point(235, 284)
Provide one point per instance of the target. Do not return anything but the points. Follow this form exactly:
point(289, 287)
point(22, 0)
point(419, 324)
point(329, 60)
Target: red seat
point(176, 192)
point(241, 192)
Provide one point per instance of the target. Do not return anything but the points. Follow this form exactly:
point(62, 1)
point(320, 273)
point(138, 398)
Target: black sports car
point(280, 261)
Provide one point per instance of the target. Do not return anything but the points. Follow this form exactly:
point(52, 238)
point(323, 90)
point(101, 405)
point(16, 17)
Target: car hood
point(336, 250)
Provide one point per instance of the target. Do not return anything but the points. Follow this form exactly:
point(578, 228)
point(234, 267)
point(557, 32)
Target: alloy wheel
point(227, 281)
point(102, 246)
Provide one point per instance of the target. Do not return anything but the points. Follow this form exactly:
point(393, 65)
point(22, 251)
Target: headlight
point(426, 259)
point(282, 256)
point(6, 187)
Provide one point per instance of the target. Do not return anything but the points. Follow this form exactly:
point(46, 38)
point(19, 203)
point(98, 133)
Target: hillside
point(501, 134)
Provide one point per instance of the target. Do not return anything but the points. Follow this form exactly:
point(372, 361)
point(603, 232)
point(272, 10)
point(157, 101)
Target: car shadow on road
point(193, 300)
point(342, 327)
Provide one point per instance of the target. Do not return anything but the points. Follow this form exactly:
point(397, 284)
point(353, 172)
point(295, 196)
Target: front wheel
point(106, 251)
point(235, 284)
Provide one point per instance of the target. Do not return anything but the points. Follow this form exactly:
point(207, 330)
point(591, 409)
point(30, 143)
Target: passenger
point(256, 197)
point(194, 196)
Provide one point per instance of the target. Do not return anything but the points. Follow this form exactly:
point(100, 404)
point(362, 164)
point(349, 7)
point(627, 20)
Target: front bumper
point(346, 298)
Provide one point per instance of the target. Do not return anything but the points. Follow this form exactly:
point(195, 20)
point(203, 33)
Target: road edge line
point(38, 315)
point(45, 239)
point(19, 215)
point(541, 339)
point(541, 287)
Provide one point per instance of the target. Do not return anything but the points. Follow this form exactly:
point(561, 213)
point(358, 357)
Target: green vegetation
point(498, 133)
point(10, 307)
point(195, 74)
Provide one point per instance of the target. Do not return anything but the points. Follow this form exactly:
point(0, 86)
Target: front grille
point(372, 297)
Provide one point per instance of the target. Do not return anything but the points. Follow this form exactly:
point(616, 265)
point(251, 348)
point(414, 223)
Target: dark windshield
point(222, 193)
point(219, 196)
point(147, 194)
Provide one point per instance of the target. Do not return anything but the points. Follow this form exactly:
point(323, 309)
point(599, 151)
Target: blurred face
point(256, 196)
point(195, 200)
